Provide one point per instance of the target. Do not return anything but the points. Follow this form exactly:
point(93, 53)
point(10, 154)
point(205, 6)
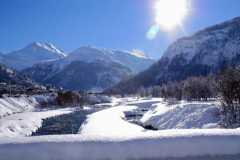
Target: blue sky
point(116, 24)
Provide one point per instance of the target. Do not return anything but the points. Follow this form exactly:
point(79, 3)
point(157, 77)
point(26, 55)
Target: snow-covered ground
point(24, 124)
point(10, 105)
point(19, 116)
point(184, 115)
point(110, 123)
point(108, 135)
point(161, 145)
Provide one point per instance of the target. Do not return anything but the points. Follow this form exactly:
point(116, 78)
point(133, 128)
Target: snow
point(210, 44)
point(159, 145)
point(138, 53)
point(10, 105)
point(32, 54)
point(24, 124)
point(183, 116)
point(108, 135)
point(50, 47)
point(19, 116)
point(125, 58)
point(110, 123)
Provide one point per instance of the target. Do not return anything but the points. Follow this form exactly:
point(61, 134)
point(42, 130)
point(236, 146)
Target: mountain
point(207, 51)
point(89, 68)
point(79, 75)
point(135, 63)
point(125, 58)
point(8, 75)
point(31, 54)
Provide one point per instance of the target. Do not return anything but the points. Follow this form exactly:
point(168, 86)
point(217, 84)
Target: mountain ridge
point(122, 63)
point(206, 52)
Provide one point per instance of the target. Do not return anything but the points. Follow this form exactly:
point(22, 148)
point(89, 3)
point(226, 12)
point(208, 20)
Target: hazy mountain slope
point(32, 54)
point(41, 73)
point(91, 54)
point(81, 75)
point(207, 51)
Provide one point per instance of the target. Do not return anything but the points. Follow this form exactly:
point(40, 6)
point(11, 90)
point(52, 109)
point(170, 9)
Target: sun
point(171, 13)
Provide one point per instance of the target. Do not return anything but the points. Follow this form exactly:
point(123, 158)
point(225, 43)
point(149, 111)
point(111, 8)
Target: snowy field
point(187, 131)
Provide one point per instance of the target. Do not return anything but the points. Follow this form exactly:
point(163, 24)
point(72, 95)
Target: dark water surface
point(63, 124)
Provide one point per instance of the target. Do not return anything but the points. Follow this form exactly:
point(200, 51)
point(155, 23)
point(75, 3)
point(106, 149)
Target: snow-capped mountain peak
point(33, 53)
point(47, 46)
point(138, 53)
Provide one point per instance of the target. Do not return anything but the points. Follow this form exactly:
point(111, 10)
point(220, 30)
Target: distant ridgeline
point(206, 52)
point(87, 68)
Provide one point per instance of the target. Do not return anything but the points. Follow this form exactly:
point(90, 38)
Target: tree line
point(193, 88)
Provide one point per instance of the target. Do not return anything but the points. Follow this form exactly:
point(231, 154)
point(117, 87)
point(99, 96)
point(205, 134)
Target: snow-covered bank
point(112, 122)
point(109, 123)
point(24, 124)
point(19, 116)
point(12, 105)
point(185, 115)
point(162, 144)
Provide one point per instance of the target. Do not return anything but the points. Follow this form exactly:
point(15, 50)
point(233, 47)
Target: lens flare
point(171, 13)
point(152, 32)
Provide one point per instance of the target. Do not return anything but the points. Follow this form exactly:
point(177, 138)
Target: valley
point(86, 102)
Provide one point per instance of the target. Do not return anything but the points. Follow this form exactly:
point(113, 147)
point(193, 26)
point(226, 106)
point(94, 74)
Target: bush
point(68, 98)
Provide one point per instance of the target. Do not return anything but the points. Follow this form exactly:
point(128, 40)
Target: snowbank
point(161, 145)
point(19, 117)
point(11, 105)
point(24, 124)
point(183, 116)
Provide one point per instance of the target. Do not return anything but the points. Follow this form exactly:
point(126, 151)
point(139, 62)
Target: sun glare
point(171, 13)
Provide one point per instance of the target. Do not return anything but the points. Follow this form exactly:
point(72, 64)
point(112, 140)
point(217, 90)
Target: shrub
point(68, 98)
